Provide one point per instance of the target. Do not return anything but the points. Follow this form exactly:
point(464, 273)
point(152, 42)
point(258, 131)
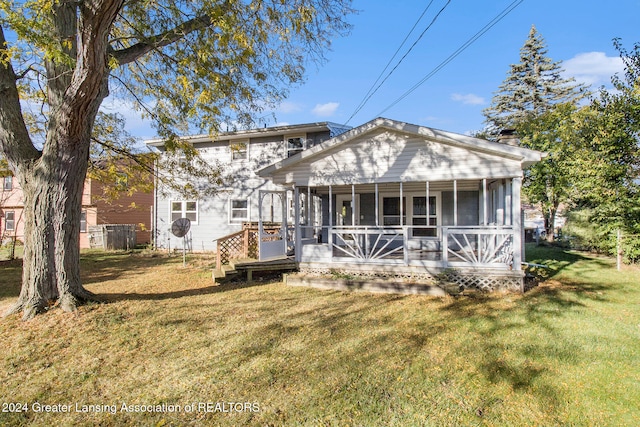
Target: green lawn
point(564, 353)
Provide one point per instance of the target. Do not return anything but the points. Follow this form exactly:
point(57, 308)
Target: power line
point(364, 98)
point(371, 90)
point(461, 49)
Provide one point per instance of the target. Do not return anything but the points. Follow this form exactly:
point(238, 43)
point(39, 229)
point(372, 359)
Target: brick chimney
point(509, 137)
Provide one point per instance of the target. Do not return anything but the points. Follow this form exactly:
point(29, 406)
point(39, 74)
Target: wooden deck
point(246, 267)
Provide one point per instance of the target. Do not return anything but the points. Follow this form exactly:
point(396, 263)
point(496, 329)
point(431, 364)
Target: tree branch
point(15, 143)
point(132, 53)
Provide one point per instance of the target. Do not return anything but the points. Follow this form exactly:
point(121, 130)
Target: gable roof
point(334, 129)
point(526, 156)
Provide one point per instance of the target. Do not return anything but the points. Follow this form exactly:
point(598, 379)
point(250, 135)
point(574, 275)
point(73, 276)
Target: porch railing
point(367, 243)
point(478, 246)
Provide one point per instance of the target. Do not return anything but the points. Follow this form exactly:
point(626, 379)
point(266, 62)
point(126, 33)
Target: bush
point(587, 235)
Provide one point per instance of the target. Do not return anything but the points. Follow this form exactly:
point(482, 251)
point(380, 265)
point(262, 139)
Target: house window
point(10, 220)
point(8, 183)
point(239, 210)
point(295, 145)
point(420, 216)
point(391, 211)
point(184, 209)
point(239, 151)
point(83, 221)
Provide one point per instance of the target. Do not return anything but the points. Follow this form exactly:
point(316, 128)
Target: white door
point(272, 224)
point(345, 214)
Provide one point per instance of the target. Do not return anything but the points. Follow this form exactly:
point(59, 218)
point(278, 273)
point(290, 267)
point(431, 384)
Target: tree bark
point(53, 180)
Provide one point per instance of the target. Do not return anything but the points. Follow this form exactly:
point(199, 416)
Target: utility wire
point(364, 98)
point(372, 91)
point(451, 57)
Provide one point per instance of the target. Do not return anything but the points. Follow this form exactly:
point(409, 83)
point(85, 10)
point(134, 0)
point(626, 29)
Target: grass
point(564, 353)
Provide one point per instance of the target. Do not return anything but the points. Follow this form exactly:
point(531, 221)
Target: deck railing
point(243, 244)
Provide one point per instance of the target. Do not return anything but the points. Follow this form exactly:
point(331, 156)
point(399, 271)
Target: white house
point(384, 198)
point(243, 153)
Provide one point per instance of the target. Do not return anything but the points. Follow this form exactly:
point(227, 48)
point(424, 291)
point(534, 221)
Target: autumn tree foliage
point(186, 65)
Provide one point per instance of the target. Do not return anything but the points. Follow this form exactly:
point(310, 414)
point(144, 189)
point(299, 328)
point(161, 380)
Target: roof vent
point(509, 137)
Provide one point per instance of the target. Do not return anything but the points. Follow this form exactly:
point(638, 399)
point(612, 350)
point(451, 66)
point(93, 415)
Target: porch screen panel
point(420, 216)
point(368, 209)
point(391, 211)
point(468, 208)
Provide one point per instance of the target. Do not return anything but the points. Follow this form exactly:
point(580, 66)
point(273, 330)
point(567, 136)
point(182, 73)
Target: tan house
point(97, 209)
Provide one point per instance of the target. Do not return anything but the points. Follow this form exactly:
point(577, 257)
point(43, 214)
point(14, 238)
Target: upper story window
point(239, 151)
point(7, 183)
point(295, 144)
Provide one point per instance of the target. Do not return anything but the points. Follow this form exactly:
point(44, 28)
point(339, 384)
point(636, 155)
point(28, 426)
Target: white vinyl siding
point(392, 157)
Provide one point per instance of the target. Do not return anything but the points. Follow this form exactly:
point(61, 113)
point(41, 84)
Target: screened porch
point(445, 224)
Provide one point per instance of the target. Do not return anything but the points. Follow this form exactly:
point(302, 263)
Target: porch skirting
point(451, 280)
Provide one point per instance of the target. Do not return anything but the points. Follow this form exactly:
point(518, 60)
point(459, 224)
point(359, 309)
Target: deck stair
point(245, 268)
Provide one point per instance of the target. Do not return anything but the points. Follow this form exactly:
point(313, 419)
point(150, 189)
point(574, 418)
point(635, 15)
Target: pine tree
point(531, 88)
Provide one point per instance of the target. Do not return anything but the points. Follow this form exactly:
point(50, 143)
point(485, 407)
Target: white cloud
point(469, 99)
point(325, 110)
point(287, 107)
point(593, 68)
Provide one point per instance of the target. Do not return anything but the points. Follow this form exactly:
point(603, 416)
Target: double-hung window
point(7, 184)
point(10, 220)
point(83, 221)
point(295, 145)
point(184, 209)
point(239, 151)
point(238, 210)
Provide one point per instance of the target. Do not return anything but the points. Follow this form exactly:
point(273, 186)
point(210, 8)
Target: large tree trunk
point(53, 180)
point(51, 260)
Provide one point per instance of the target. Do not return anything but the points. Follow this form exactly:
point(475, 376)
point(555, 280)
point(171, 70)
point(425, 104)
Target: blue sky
point(578, 33)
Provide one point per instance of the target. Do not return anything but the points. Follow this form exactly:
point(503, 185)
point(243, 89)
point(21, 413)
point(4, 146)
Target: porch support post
point(508, 203)
point(330, 207)
point(455, 202)
point(485, 220)
point(308, 206)
point(353, 205)
point(377, 208)
point(296, 224)
point(518, 241)
point(427, 194)
point(401, 207)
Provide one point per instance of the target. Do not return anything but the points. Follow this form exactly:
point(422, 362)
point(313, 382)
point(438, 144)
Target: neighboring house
point(243, 153)
point(96, 210)
point(385, 198)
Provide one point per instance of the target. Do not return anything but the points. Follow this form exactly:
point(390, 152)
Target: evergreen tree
point(531, 88)
point(538, 102)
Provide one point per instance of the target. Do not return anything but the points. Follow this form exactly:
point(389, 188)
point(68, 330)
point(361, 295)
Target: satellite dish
point(180, 227)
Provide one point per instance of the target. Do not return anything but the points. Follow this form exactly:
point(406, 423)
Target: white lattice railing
point(479, 247)
point(367, 243)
